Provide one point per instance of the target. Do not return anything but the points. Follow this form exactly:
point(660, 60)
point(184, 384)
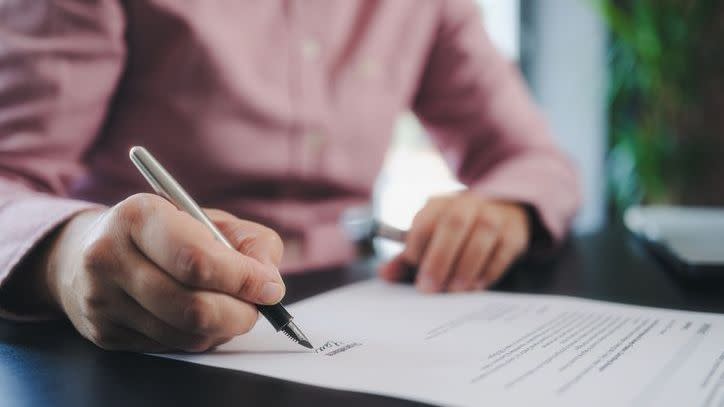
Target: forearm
point(477, 109)
point(49, 119)
point(545, 183)
point(32, 228)
point(26, 291)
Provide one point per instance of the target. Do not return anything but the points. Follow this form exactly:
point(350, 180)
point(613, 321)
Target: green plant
point(665, 96)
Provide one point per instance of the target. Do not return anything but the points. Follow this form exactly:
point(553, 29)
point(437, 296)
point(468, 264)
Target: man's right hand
point(144, 276)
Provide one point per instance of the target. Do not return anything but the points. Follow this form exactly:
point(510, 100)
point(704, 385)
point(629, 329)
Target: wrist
point(62, 249)
point(28, 289)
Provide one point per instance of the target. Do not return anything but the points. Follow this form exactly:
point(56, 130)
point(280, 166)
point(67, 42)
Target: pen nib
point(293, 332)
point(306, 344)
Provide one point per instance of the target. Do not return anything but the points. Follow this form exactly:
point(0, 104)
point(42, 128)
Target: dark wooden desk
point(49, 364)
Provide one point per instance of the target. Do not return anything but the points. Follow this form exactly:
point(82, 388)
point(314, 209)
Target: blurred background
point(634, 92)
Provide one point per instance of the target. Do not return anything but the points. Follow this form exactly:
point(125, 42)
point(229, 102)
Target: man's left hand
point(462, 242)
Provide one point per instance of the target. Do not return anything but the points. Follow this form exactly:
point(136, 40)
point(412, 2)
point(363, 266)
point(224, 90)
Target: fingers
point(422, 228)
point(445, 244)
point(509, 248)
point(202, 313)
point(474, 257)
point(109, 335)
point(147, 277)
point(462, 243)
point(252, 239)
point(186, 250)
point(129, 313)
point(131, 328)
point(93, 316)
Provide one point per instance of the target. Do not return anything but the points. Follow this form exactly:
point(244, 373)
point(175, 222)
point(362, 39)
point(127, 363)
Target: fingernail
point(271, 293)
point(481, 285)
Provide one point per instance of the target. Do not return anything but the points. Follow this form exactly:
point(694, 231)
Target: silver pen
point(166, 186)
point(360, 224)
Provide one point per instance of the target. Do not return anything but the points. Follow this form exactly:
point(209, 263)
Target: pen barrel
point(389, 232)
point(277, 315)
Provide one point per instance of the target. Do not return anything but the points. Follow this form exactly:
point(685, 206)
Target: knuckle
point(145, 200)
point(192, 265)
point(94, 298)
point(455, 220)
point(135, 208)
point(269, 235)
point(263, 242)
point(97, 255)
point(273, 238)
point(129, 210)
point(198, 314)
point(488, 220)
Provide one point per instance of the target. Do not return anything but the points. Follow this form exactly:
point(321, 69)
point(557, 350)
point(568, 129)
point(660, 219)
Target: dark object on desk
point(51, 365)
point(361, 227)
point(690, 241)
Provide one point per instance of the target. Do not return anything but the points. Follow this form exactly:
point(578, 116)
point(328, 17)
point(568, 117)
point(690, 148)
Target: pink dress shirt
point(279, 111)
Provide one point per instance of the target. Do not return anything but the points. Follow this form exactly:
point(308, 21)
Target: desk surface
point(49, 364)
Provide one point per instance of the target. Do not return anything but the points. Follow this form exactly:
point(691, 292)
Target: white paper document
point(490, 349)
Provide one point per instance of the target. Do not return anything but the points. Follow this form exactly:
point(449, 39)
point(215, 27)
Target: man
point(278, 111)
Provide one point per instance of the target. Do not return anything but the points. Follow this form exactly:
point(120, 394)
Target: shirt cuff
point(551, 202)
point(26, 220)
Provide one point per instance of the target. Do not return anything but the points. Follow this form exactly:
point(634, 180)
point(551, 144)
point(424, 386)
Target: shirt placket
point(309, 139)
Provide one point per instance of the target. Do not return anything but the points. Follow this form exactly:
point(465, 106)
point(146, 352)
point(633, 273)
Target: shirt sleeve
point(477, 110)
point(59, 65)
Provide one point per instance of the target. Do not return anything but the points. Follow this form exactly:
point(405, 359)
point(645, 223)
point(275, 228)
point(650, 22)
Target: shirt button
point(310, 48)
point(369, 68)
point(314, 142)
